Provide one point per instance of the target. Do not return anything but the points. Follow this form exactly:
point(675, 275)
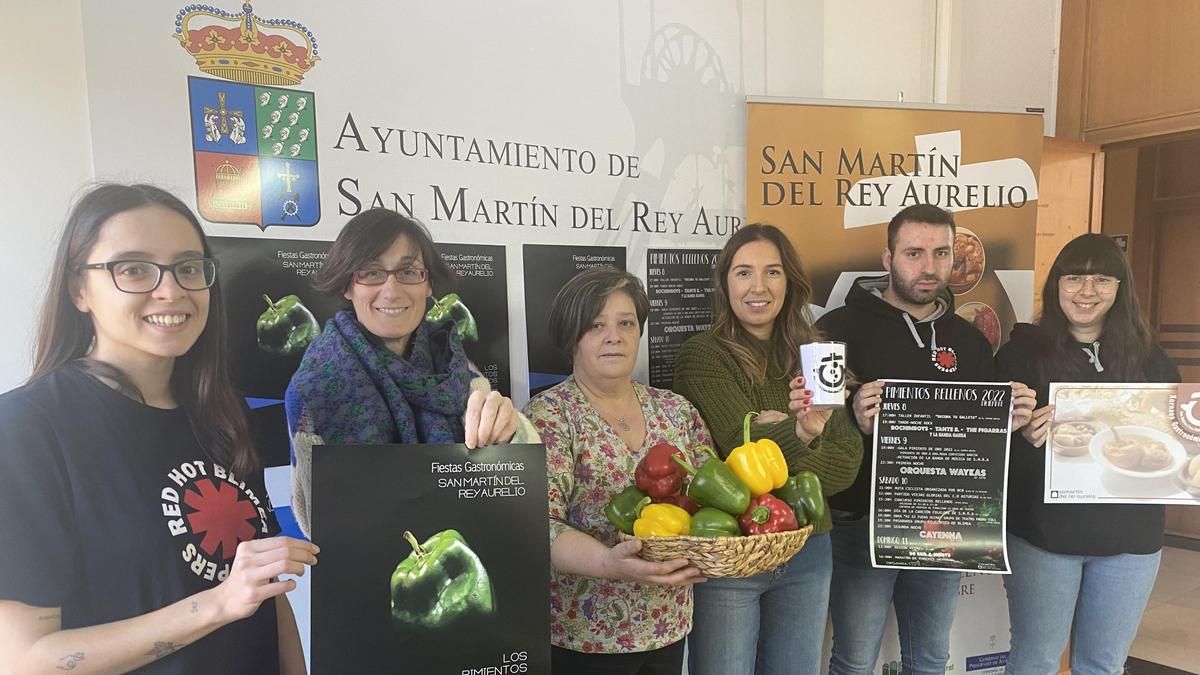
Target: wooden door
point(1175, 313)
point(1070, 201)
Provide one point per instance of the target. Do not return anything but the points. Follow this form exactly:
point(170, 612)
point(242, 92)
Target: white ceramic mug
point(823, 365)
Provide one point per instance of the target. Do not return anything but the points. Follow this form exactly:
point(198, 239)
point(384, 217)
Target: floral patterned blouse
point(587, 464)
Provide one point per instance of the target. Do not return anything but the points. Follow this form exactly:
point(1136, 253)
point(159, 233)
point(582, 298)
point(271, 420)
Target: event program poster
point(1124, 444)
point(938, 484)
point(679, 283)
point(547, 269)
point(474, 599)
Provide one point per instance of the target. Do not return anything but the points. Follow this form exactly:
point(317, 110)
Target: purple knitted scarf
point(354, 390)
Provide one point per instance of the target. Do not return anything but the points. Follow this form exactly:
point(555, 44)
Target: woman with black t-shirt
point(135, 529)
point(1091, 566)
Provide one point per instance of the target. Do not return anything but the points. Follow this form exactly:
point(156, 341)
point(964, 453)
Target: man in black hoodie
point(899, 326)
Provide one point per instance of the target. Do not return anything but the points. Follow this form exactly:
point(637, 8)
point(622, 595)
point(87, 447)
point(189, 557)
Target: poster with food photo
point(1124, 444)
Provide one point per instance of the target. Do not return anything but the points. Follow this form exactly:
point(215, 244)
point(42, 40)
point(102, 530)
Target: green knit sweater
point(707, 375)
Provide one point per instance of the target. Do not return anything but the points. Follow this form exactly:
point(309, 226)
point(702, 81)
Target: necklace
point(620, 421)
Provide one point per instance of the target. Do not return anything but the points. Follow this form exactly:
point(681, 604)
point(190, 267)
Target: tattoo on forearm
point(161, 649)
point(195, 607)
point(70, 661)
point(50, 617)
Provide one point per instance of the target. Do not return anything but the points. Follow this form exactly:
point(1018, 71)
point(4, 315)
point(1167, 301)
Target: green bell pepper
point(287, 327)
point(451, 307)
point(715, 485)
point(803, 493)
point(625, 507)
point(710, 522)
point(439, 583)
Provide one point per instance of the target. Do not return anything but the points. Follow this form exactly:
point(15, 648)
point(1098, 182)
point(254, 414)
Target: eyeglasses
point(1101, 283)
point(409, 276)
point(143, 276)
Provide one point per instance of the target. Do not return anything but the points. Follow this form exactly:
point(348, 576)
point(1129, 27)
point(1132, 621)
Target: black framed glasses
point(143, 276)
point(410, 276)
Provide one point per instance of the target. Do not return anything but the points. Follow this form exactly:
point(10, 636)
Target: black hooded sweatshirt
point(885, 342)
point(1072, 529)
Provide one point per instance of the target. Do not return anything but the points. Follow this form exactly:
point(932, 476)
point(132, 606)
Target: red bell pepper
point(657, 474)
point(767, 514)
point(680, 500)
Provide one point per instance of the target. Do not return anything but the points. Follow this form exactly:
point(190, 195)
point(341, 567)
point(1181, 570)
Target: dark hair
point(918, 213)
point(1127, 341)
point(581, 300)
point(794, 325)
point(367, 236)
point(200, 380)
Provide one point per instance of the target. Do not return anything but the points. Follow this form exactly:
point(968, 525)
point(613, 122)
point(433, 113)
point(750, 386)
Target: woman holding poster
point(774, 622)
point(610, 611)
point(135, 533)
point(1083, 565)
point(379, 372)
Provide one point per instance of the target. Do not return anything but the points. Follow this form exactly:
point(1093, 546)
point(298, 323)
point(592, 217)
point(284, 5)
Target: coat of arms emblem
point(254, 138)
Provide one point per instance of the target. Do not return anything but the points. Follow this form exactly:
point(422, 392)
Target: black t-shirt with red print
point(110, 509)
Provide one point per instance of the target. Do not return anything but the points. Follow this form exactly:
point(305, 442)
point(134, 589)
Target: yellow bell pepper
point(759, 464)
point(662, 520)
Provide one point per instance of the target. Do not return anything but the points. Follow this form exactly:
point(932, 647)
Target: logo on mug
point(832, 372)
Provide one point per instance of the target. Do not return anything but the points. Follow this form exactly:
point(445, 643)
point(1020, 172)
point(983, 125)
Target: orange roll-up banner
point(831, 175)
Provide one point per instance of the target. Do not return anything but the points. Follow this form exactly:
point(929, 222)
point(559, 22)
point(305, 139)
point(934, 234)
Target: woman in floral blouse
point(610, 610)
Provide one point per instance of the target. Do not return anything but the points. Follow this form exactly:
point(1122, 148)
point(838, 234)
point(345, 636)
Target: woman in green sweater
point(774, 622)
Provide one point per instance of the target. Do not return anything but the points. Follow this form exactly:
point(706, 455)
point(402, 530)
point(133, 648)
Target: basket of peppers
point(733, 518)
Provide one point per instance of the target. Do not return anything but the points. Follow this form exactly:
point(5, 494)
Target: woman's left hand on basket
point(622, 563)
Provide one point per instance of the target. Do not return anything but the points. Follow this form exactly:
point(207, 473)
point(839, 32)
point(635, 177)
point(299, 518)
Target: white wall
point(994, 54)
point(1006, 54)
point(875, 49)
point(965, 52)
point(45, 156)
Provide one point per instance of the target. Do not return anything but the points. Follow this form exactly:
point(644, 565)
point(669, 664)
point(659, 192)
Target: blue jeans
point(768, 624)
point(1105, 596)
point(859, 598)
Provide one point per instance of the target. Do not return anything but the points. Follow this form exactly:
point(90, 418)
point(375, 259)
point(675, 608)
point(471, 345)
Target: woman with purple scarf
point(379, 372)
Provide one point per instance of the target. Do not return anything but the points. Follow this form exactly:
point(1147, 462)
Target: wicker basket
point(718, 557)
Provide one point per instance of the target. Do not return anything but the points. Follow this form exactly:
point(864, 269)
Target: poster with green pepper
point(547, 268)
point(434, 559)
point(477, 304)
point(273, 314)
point(938, 483)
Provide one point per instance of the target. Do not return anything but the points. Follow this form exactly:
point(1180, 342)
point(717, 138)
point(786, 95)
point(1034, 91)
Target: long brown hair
point(780, 356)
point(200, 379)
point(1128, 344)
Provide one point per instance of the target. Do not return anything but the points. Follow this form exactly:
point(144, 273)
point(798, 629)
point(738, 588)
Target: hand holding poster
point(941, 465)
point(1124, 444)
point(433, 559)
